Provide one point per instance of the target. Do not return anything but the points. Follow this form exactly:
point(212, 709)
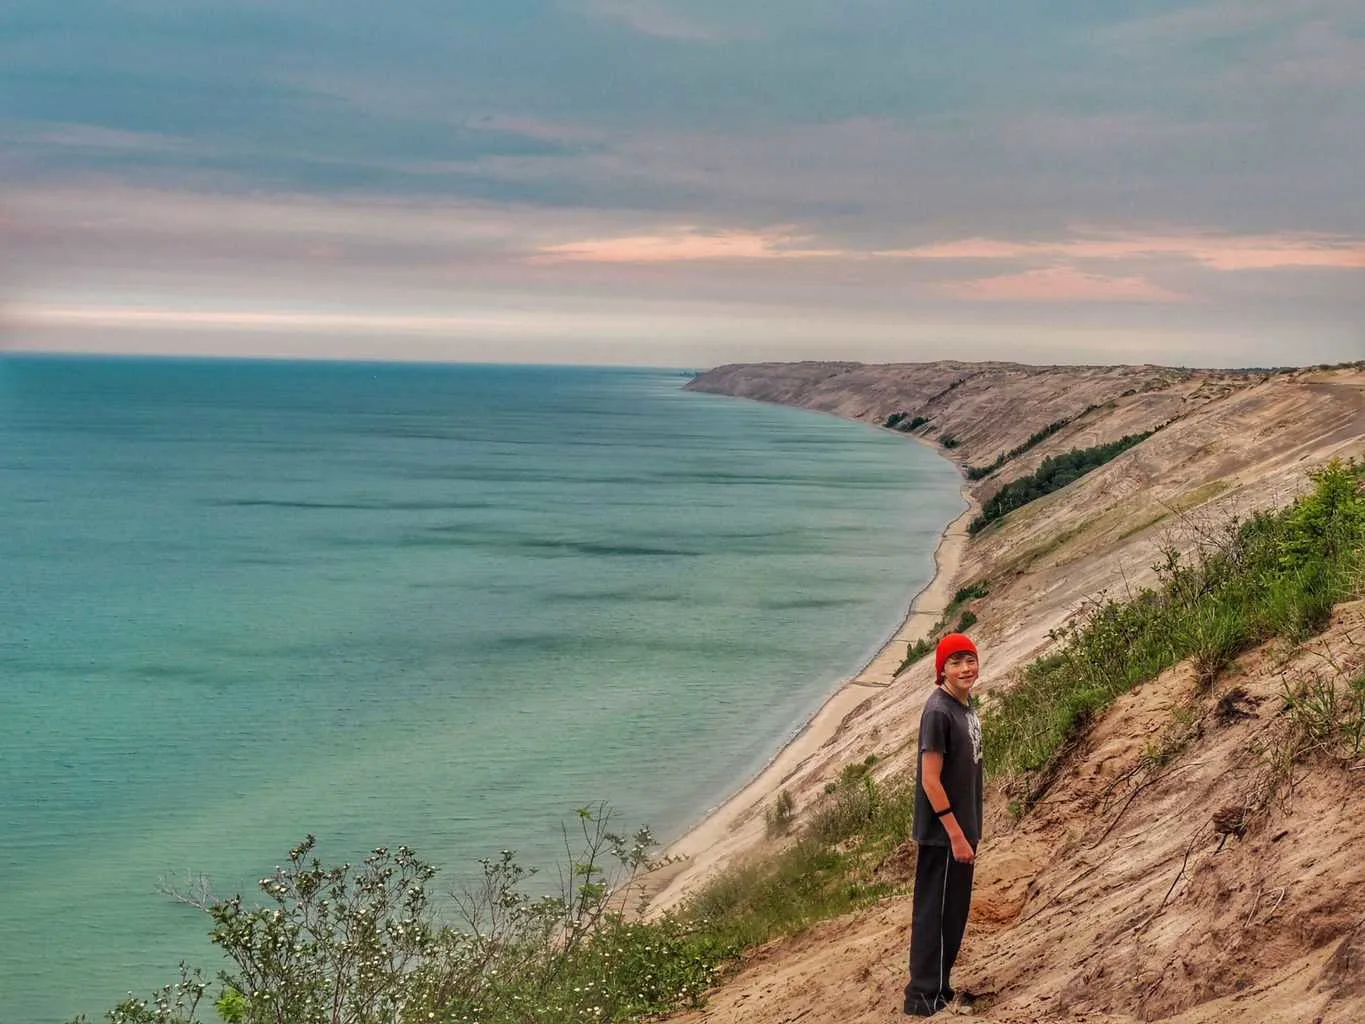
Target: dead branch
point(1184, 863)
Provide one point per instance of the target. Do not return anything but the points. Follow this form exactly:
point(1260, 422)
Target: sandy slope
point(1113, 900)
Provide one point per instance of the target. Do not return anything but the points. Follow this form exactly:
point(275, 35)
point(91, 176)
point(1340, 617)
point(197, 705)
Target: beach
point(738, 824)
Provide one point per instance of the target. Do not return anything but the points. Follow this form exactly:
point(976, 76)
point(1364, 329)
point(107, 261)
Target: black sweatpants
point(943, 895)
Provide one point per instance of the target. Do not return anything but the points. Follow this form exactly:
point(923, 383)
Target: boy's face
point(959, 672)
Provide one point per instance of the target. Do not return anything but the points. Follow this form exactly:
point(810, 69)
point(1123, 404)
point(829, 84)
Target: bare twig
point(1194, 839)
point(1057, 895)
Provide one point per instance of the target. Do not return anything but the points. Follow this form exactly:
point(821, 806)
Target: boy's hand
point(962, 850)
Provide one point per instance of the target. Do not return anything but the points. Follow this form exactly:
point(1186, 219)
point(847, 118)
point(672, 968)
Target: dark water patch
point(623, 645)
point(878, 482)
point(360, 506)
point(476, 537)
point(459, 585)
point(515, 475)
point(270, 561)
point(182, 673)
point(562, 475)
point(615, 596)
point(538, 643)
point(799, 603)
point(597, 548)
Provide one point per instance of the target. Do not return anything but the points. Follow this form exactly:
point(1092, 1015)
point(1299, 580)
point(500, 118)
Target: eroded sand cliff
point(1114, 899)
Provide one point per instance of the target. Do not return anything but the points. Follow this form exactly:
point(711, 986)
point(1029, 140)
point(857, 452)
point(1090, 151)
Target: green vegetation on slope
point(1055, 473)
point(1274, 574)
point(343, 944)
point(904, 422)
point(1034, 439)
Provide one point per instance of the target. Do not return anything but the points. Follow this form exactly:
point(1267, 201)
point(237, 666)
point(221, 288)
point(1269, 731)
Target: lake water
point(433, 605)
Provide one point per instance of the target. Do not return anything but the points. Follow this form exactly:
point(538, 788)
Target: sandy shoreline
point(703, 849)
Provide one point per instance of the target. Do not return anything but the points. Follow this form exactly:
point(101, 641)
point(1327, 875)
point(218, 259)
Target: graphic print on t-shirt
point(974, 730)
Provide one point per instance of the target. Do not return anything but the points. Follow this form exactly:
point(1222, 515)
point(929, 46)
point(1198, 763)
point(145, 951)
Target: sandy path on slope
point(699, 854)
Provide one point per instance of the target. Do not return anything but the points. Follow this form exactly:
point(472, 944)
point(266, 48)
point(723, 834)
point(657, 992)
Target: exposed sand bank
point(1114, 900)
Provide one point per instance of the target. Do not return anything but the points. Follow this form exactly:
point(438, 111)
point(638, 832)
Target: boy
point(949, 792)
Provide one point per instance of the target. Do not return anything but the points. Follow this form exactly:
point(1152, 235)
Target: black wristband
point(946, 810)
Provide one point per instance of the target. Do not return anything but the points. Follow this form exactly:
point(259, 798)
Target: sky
point(686, 182)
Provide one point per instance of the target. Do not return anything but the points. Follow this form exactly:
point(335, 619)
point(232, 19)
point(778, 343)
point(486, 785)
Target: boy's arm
point(931, 773)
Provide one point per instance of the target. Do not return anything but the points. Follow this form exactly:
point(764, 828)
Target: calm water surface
point(440, 606)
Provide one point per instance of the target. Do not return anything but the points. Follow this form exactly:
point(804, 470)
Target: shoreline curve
point(697, 855)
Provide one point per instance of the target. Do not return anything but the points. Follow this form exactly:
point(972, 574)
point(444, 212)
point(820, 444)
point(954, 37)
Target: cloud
point(1220, 252)
point(1321, 55)
point(1195, 24)
point(1059, 285)
point(683, 245)
point(162, 318)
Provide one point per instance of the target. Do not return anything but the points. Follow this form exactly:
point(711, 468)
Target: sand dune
point(1271, 929)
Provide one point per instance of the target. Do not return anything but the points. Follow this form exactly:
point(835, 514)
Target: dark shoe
point(919, 1005)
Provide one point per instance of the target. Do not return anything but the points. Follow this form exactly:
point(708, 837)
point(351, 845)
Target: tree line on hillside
point(904, 422)
point(1037, 437)
point(1055, 473)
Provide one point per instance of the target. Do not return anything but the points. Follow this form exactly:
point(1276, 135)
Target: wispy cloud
point(154, 318)
point(684, 245)
point(1059, 285)
point(1220, 252)
point(1193, 24)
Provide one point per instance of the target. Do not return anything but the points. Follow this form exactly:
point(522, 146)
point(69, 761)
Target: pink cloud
point(681, 246)
point(1059, 284)
point(1221, 252)
point(1218, 252)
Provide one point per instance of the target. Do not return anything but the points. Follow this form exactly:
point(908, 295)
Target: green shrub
point(904, 422)
point(1328, 712)
point(362, 945)
point(779, 815)
point(970, 592)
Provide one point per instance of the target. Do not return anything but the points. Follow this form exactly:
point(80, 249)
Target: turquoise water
point(440, 606)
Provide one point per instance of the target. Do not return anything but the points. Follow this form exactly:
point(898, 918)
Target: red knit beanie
point(953, 643)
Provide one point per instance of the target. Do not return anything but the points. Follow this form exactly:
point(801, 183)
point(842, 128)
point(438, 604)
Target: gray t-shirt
point(952, 729)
